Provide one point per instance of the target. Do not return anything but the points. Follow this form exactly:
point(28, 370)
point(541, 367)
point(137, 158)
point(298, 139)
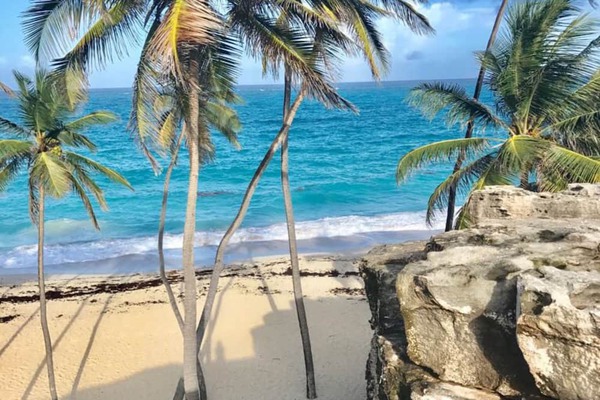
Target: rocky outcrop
point(580, 201)
point(508, 309)
point(558, 330)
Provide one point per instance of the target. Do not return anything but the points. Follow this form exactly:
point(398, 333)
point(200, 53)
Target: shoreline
point(237, 253)
point(116, 337)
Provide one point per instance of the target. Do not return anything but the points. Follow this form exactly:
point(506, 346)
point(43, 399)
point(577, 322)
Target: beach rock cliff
point(507, 309)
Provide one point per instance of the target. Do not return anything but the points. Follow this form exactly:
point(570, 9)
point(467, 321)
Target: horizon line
point(343, 82)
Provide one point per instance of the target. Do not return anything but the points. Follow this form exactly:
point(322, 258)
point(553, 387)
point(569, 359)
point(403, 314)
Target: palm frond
point(52, 173)
point(49, 25)
point(11, 127)
point(225, 120)
point(462, 181)
point(405, 12)
point(572, 166)
point(85, 162)
point(8, 170)
point(87, 204)
point(439, 151)
point(12, 148)
point(74, 139)
point(520, 153)
point(432, 98)
point(91, 119)
point(186, 25)
point(34, 204)
point(9, 92)
point(81, 175)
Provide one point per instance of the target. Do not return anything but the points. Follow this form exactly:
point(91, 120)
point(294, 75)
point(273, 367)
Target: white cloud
point(460, 30)
point(27, 61)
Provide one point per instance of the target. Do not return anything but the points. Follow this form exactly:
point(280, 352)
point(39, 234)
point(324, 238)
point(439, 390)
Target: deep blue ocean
point(342, 172)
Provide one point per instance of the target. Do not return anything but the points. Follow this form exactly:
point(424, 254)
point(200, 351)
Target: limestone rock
point(558, 330)
point(509, 308)
point(458, 307)
point(508, 202)
point(449, 391)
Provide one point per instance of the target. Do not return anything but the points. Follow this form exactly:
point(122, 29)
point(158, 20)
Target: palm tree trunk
point(311, 390)
point(42, 288)
point(239, 218)
point(161, 235)
point(233, 227)
point(190, 346)
point(469, 132)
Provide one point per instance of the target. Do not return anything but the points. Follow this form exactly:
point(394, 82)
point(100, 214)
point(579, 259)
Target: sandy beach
point(116, 337)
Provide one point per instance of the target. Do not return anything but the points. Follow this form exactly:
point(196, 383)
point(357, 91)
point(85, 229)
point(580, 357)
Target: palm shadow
point(28, 320)
point(88, 348)
point(55, 344)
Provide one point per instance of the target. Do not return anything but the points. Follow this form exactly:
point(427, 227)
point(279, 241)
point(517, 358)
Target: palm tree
point(41, 148)
point(469, 132)
point(322, 23)
point(215, 114)
point(544, 73)
point(173, 30)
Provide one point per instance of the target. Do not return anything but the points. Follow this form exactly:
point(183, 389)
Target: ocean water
point(342, 172)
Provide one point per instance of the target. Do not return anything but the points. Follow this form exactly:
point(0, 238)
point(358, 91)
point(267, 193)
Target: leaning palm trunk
point(470, 124)
point(239, 218)
point(161, 235)
point(311, 390)
point(42, 288)
point(219, 257)
point(235, 224)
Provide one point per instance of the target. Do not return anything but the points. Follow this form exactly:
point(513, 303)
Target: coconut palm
point(173, 30)
point(334, 29)
point(545, 77)
point(469, 132)
point(219, 117)
point(215, 114)
point(41, 147)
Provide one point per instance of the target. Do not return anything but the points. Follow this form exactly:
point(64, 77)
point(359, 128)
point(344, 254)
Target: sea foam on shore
point(347, 235)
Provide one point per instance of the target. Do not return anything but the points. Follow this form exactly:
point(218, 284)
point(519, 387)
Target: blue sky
point(462, 27)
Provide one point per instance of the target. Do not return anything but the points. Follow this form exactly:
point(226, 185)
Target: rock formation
point(507, 309)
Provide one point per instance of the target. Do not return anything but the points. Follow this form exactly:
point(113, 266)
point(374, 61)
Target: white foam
point(75, 252)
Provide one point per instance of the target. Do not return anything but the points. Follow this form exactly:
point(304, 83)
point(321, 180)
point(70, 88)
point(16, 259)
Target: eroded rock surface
point(510, 308)
point(558, 329)
point(510, 203)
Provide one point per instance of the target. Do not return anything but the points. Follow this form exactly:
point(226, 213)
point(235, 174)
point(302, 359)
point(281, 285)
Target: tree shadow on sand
point(275, 368)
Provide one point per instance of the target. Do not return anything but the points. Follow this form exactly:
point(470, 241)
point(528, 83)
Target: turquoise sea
point(342, 175)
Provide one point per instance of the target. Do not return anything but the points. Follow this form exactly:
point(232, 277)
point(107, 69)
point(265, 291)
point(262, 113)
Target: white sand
point(127, 345)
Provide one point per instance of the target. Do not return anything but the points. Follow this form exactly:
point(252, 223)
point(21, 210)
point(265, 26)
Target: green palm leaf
point(85, 162)
point(462, 180)
point(11, 148)
point(50, 172)
point(440, 151)
point(520, 153)
point(8, 170)
point(567, 163)
point(432, 98)
point(91, 119)
point(11, 127)
point(80, 192)
point(225, 120)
